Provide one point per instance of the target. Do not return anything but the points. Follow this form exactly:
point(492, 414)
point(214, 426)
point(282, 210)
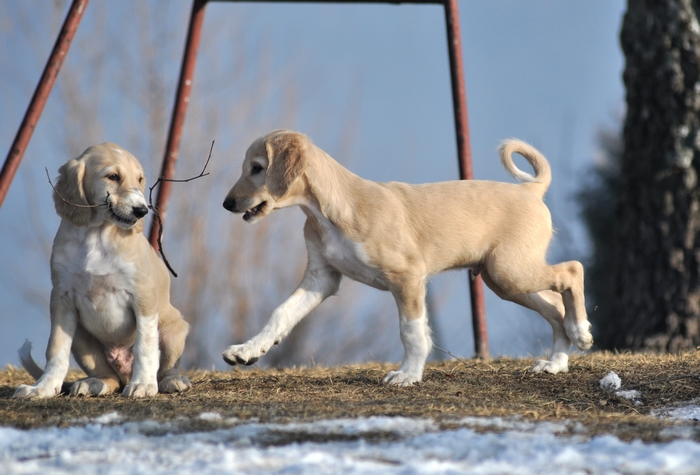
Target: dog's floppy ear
point(285, 153)
point(70, 187)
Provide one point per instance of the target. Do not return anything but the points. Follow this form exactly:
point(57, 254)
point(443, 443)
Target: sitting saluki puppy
point(394, 236)
point(110, 302)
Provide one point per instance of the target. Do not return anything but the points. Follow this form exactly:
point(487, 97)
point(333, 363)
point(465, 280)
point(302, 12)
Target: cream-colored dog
point(110, 302)
point(394, 236)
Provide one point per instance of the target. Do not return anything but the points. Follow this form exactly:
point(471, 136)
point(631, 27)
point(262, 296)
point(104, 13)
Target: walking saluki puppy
point(394, 236)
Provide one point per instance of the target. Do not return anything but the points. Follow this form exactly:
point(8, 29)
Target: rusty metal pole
point(459, 100)
point(182, 99)
point(41, 94)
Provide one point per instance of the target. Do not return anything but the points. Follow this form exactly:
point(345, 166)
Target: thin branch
point(160, 240)
point(156, 214)
point(70, 202)
point(377, 361)
point(171, 180)
point(461, 360)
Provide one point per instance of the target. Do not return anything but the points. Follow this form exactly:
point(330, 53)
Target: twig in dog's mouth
point(105, 203)
point(252, 212)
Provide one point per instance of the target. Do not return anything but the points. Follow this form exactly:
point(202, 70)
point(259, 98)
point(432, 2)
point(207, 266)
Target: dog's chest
point(349, 257)
point(102, 285)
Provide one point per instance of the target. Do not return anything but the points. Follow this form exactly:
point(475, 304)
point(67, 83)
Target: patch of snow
point(628, 394)
point(631, 394)
point(210, 416)
point(522, 425)
point(414, 447)
point(689, 412)
point(610, 382)
point(402, 426)
point(685, 413)
point(108, 418)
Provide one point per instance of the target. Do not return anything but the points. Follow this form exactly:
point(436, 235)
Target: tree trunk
point(657, 284)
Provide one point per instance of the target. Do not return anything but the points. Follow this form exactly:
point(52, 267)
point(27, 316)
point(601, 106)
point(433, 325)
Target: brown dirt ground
point(450, 390)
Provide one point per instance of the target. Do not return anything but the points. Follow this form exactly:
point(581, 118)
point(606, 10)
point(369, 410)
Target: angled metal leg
point(41, 94)
point(182, 99)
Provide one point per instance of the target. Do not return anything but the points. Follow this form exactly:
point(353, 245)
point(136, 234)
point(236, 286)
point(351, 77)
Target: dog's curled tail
point(28, 363)
point(543, 174)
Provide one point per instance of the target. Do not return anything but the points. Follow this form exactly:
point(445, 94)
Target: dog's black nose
point(229, 204)
point(139, 211)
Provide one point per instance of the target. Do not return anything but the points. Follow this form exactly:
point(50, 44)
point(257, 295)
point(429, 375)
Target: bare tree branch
point(157, 214)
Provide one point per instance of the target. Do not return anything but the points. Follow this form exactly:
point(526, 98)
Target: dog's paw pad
point(399, 378)
point(174, 384)
point(90, 387)
point(135, 389)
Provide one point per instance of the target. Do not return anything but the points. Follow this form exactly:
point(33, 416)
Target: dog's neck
point(333, 191)
point(104, 231)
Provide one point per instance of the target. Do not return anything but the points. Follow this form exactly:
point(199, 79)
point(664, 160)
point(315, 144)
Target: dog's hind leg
point(415, 334)
point(172, 344)
point(89, 354)
point(528, 277)
point(550, 305)
point(570, 283)
point(319, 282)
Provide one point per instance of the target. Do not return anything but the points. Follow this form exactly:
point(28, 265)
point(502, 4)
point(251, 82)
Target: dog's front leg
point(415, 334)
point(319, 282)
point(63, 324)
point(144, 379)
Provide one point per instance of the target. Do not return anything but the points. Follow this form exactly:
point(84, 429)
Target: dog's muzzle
point(243, 207)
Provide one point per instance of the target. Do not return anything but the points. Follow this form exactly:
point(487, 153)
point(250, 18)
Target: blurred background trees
point(643, 205)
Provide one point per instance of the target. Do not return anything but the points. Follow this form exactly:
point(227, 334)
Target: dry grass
point(450, 390)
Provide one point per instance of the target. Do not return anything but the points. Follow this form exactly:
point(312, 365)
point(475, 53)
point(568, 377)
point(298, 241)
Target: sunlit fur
point(110, 302)
point(394, 236)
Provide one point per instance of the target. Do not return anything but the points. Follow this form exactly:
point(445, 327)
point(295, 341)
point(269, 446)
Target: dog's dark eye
point(113, 177)
point(256, 168)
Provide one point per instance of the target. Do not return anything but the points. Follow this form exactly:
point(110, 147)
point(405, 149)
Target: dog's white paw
point(399, 378)
point(36, 392)
point(90, 387)
point(579, 334)
point(174, 384)
point(135, 389)
point(245, 354)
point(557, 363)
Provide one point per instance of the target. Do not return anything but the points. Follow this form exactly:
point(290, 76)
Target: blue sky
point(546, 71)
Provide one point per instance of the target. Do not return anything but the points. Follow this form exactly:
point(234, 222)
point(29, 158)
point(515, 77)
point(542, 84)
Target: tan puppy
point(110, 302)
point(394, 236)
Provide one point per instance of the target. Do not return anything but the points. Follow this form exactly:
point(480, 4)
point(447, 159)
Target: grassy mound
point(450, 391)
